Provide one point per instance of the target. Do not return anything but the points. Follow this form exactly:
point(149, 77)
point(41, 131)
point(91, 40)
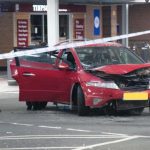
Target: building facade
point(25, 24)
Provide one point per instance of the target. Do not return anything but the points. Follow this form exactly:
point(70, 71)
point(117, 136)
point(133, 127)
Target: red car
point(106, 76)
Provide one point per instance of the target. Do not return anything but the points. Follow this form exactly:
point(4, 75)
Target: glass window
point(92, 57)
point(38, 29)
point(64, 27)
point(45, 28)
point(68, 58)
point(47, 57)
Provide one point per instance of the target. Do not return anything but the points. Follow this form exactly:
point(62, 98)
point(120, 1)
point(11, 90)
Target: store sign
point(62, 8)
point(39, 7)
point(22, 32)
point(79, 29)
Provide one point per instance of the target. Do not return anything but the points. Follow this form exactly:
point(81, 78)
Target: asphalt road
point(58, 128)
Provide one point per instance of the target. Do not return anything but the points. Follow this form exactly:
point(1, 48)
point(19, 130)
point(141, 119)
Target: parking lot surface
point(59, 128)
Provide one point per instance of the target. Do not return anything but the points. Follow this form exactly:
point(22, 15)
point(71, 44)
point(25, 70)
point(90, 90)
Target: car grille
point(133, 85)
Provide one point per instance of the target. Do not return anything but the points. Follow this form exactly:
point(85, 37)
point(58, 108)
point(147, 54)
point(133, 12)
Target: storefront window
point(38, 29)
point(64, 27)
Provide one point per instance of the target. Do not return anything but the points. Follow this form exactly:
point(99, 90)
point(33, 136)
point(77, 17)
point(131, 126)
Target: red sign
point(22, 32)
point(79, 29)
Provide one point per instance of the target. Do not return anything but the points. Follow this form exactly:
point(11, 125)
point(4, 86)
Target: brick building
point(24, 24)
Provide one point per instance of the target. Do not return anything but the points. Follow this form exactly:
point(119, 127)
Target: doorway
point(38, 29)
point(64, 27)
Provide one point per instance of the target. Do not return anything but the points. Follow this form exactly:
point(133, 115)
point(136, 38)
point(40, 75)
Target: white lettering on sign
point(39, 7)
point(79, 28)
point(22, 33)
point(22, 22)
point(22, 43)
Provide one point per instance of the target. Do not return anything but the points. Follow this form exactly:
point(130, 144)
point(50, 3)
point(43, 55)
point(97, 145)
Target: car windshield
point(93, 57)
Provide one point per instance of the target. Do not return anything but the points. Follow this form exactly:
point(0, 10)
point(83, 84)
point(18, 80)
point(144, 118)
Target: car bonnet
point(121, 68)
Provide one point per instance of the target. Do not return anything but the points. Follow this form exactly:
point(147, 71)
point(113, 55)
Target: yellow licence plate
point(129, 96)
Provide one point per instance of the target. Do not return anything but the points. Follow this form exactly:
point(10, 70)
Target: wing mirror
point(63, 65)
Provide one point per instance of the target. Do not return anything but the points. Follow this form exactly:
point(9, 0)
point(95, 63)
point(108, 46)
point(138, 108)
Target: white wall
point(53, 21)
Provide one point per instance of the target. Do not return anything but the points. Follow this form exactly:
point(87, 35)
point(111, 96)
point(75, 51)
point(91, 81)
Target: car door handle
point(28, 74)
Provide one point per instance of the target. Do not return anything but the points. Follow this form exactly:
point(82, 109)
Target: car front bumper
point(100, 97)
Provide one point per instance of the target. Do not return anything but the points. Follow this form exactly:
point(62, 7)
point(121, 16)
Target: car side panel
point(44, 84)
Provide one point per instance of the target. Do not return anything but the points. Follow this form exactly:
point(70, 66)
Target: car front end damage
point(125, 91)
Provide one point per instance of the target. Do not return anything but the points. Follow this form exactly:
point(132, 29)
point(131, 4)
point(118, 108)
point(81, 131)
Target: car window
point(46, 57)
point(68, 57)
point(91, 57)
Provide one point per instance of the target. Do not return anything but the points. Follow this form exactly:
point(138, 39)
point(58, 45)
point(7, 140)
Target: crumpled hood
point(126, 77)
point(121, 68)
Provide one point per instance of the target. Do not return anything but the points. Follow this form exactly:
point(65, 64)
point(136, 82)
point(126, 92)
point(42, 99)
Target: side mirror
point(63, 65)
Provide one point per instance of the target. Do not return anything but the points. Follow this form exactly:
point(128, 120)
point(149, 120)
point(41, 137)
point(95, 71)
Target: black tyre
point(81, 108)
point(29, 105)
point(36, 106)
point(39, 105)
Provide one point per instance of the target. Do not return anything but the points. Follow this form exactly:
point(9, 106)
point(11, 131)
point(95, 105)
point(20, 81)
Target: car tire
point(81, 108)
point(36, 106)
point(29, 105)
point(39, 105)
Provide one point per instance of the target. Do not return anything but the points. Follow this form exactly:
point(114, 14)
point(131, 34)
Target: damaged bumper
point(101, 97)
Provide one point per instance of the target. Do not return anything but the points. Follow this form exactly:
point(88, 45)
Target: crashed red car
point(106, 76)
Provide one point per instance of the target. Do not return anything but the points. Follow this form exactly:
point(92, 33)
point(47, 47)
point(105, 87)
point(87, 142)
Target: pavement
point(61, 129)
point(4, 86)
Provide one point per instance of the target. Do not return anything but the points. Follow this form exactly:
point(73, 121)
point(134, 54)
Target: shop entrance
point(63, 27)
point(39, 28)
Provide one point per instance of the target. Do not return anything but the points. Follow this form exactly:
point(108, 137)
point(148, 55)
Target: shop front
point(25, 24)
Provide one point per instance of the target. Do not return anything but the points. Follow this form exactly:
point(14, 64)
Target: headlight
point(110, 85)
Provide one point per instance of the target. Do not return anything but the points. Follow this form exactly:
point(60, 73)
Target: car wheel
point(29, 105)
point(36, 106)
point(81, 108)
point(39, 105)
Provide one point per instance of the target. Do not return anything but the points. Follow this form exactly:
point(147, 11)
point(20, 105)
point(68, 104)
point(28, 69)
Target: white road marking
point(37, 148)
point(70, 129)
point(32, 137)
point(123, 137)
point(8, 132)
point(110, 133)
point(50, 127)
point(107, 143)
point(21, 124)
point(142, 136)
